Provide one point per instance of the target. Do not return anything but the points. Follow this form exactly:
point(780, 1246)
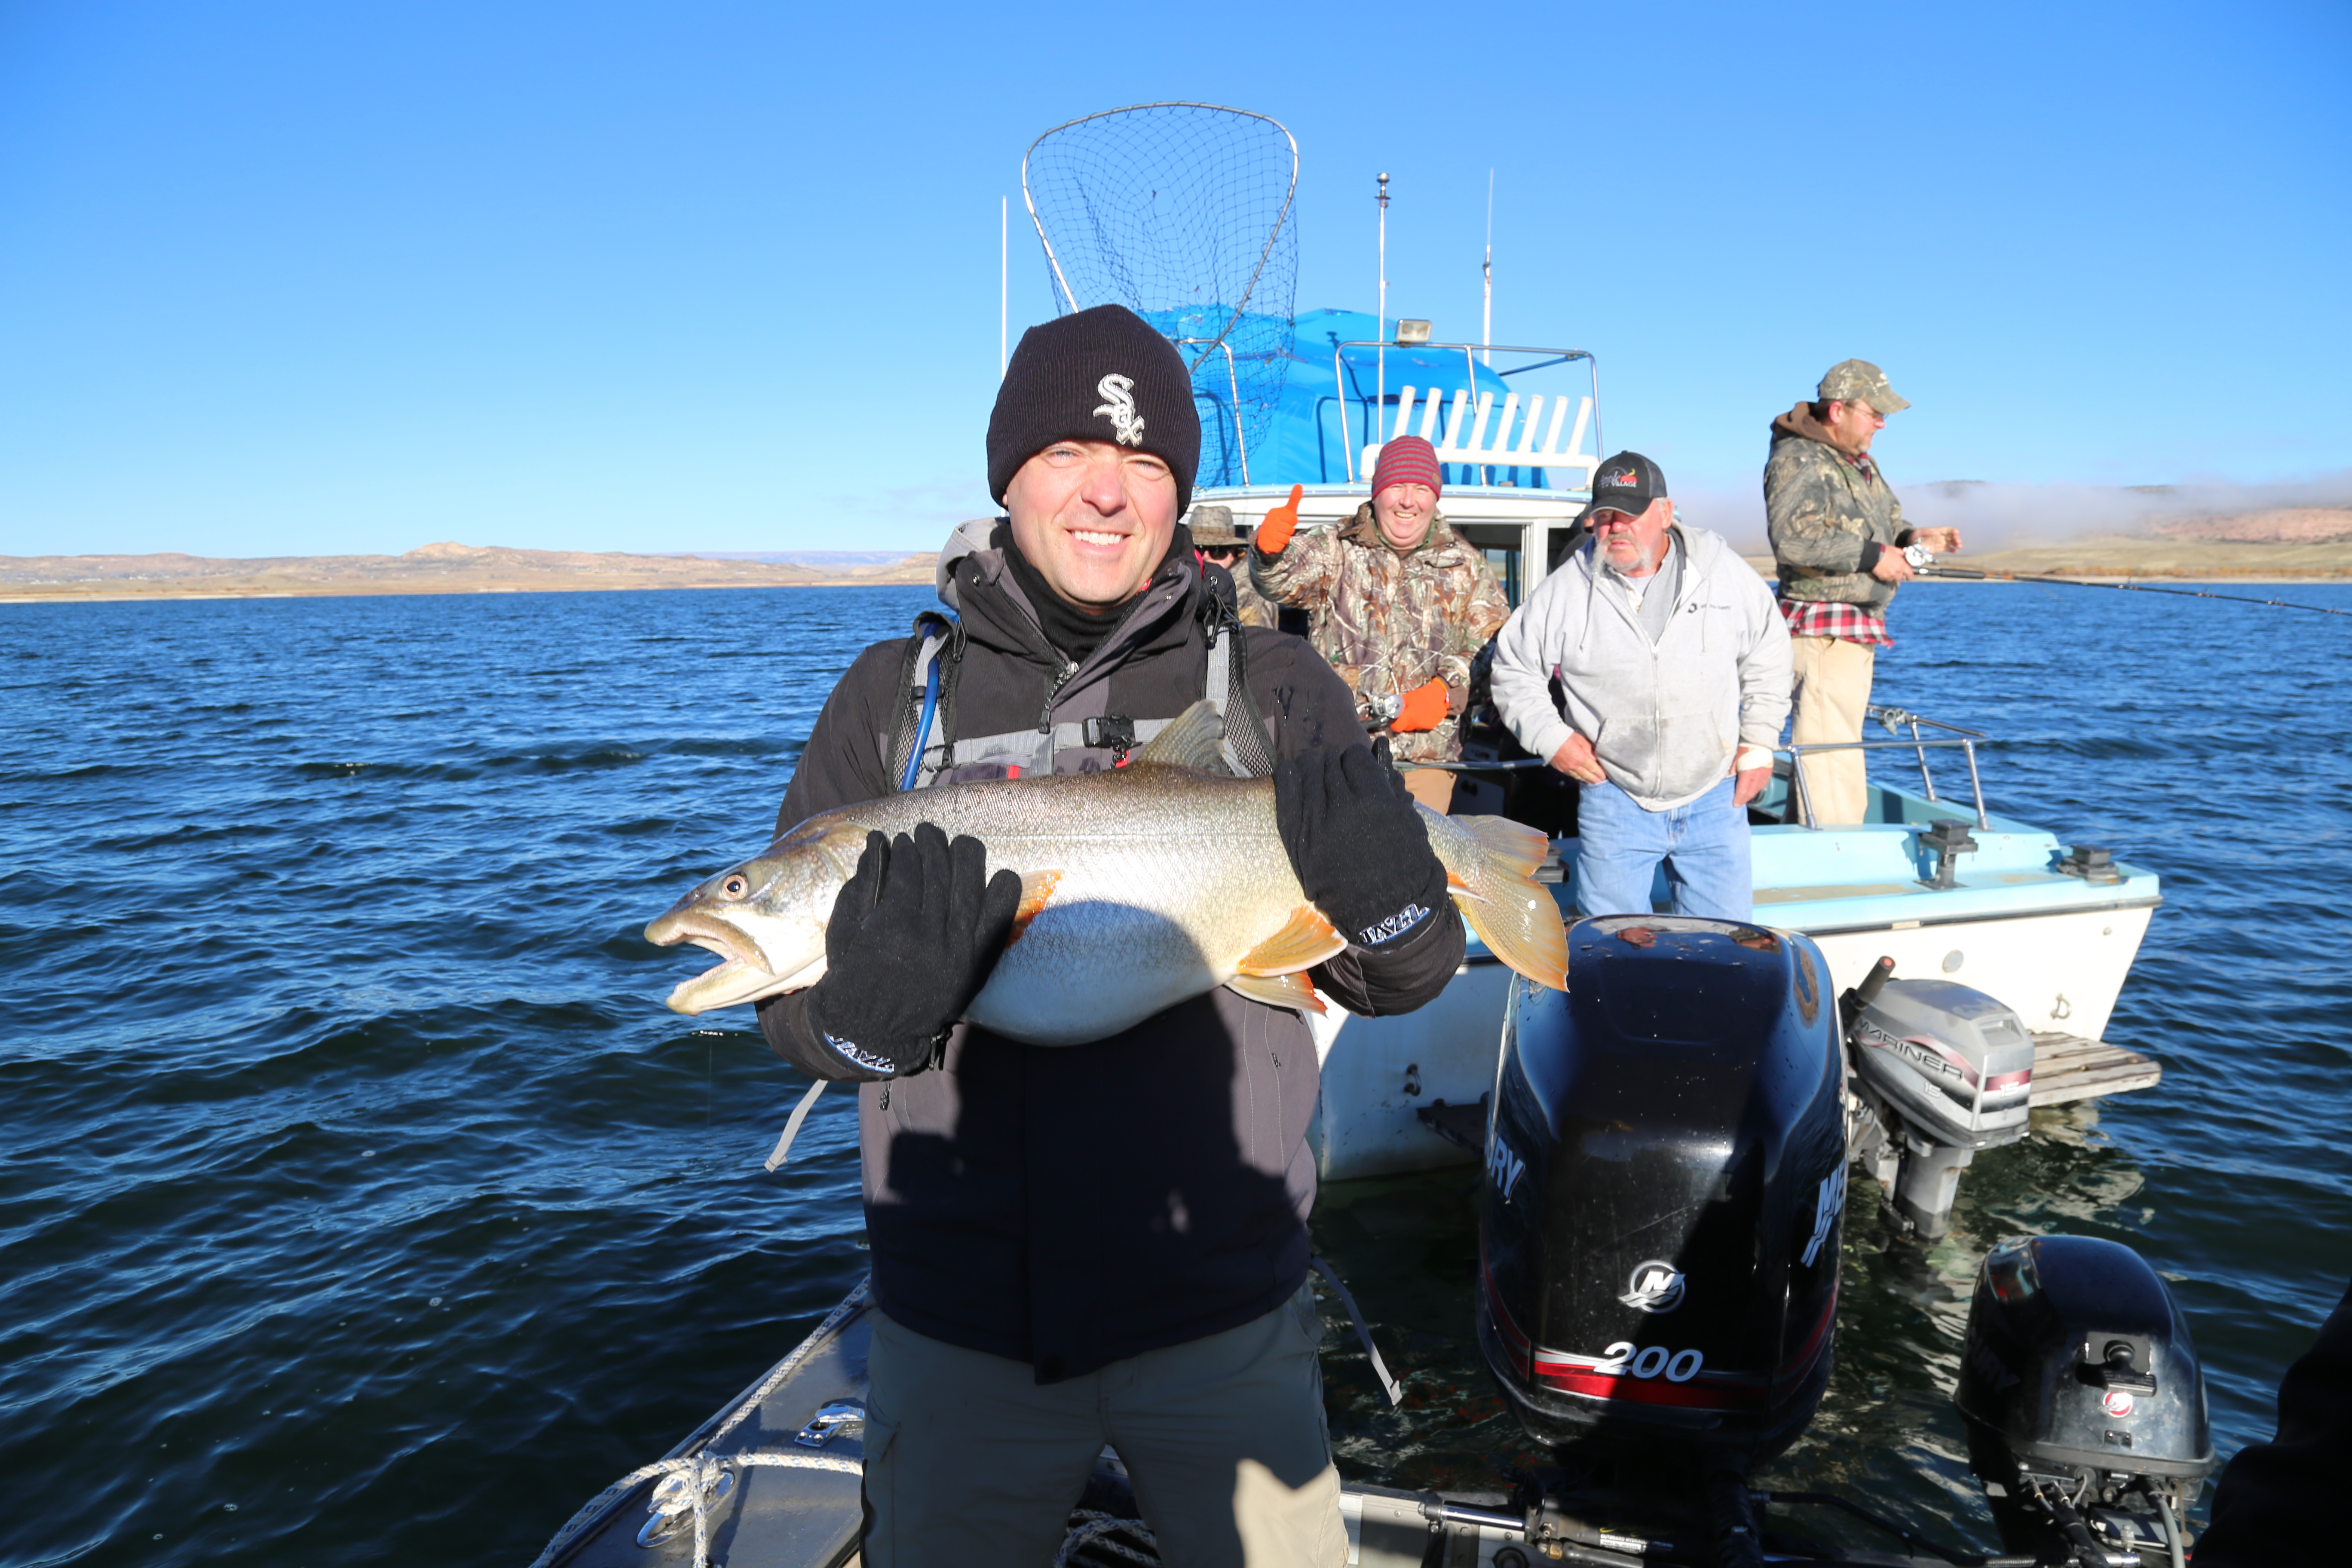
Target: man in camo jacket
point(1396, 601)
point(1838, 537)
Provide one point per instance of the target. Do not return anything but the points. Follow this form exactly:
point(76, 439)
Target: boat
point(1931, 974)
point(1943, 885)
point(1661, 1207)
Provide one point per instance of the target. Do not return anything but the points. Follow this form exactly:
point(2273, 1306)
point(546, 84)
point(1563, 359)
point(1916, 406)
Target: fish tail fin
point(1490, 864)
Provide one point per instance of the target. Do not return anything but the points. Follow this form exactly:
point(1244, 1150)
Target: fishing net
point(1181, 211)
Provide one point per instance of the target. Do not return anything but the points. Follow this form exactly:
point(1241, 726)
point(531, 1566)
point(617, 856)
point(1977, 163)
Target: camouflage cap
point(1214, 525)
point(1859, 381)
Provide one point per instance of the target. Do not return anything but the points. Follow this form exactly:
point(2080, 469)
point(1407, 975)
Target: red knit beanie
point(1407, 461)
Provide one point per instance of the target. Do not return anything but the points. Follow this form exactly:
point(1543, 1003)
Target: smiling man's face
point(1095, 518)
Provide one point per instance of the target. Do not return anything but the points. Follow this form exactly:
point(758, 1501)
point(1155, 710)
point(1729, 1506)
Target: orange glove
point(1279, 525)
point(1425, 708)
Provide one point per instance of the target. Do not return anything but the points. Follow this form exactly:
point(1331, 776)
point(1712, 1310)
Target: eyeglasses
point(1221, 552)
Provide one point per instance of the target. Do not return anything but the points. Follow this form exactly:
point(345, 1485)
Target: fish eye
point(735, 887)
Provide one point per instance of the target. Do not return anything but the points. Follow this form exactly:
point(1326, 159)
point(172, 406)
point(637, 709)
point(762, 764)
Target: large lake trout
point(1140, 887)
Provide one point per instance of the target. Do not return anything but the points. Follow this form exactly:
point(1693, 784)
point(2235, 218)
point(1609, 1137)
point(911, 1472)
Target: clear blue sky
point(286, 277)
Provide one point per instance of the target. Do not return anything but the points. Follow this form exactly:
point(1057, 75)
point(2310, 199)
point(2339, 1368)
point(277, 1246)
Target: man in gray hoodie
point(1673, 669)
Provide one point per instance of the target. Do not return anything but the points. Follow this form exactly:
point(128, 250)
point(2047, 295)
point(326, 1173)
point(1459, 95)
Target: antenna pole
point(1486, 329)
point(1004, 278)
point(1380, 324)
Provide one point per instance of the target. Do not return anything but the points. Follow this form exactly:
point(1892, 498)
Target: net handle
point(1272, 234)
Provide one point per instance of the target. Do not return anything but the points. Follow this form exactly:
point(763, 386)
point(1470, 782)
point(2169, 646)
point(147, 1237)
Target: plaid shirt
point(1816, 618)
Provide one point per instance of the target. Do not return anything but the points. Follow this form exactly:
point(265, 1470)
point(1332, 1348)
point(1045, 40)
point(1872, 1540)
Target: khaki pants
point(970, 1461)
point(1832, 692)
point(1432, 787)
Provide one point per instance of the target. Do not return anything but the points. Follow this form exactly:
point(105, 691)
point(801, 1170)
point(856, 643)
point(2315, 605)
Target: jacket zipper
point(1053, 691)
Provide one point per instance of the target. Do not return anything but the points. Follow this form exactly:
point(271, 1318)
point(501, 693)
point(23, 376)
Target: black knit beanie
point(1101, 374)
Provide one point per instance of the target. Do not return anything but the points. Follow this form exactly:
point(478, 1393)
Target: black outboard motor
point(2084, 1403)
point(1665, 1191)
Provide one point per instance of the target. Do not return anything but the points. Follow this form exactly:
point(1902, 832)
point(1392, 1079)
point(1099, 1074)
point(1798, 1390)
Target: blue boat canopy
point(1309, 400)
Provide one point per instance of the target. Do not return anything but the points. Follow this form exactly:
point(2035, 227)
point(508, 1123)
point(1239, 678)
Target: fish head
point(765, 918)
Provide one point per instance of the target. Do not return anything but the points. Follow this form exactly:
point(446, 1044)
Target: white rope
point(1389, 1386)
point(1096, 1531)
point(702, 1469)
point(784, 1368)
point(792, 1127)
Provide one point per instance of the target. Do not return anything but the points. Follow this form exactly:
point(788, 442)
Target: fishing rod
point(1923, 564)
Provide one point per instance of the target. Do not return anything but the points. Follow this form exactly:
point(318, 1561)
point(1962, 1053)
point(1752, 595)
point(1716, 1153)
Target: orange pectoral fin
point(1304, 942)
point(1292, 989)
point(1036, 888)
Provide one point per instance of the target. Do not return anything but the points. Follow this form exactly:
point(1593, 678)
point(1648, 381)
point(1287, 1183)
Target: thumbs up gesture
point(1279, 525)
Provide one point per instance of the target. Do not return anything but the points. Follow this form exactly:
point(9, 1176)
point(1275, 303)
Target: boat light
point(1410, 333)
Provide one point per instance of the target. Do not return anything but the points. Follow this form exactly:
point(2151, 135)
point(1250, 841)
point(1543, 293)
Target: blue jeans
point(1704, 845)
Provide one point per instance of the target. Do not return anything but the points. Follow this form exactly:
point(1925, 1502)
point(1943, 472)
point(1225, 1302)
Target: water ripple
point(362, 1202)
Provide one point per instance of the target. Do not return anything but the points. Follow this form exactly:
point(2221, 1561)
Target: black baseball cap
point(1627, 482)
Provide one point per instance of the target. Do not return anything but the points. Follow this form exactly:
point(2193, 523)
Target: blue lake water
point(360, 1201)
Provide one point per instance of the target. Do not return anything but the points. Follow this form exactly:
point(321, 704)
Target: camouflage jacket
point(1824, 511)
point(1387, 622)
point(1254, 607)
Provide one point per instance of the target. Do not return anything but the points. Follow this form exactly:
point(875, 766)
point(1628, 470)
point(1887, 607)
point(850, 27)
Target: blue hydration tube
point(922, 726)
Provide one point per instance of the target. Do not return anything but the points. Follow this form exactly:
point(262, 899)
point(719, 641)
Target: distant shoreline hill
point(2301, 542)
point(446, 568)
point(2282, 545)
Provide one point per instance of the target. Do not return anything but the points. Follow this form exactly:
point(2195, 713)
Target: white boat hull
point(2061, 969)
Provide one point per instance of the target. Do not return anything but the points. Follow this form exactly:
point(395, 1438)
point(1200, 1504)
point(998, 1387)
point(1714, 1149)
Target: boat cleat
point(672, 1504)
point(829, 1422)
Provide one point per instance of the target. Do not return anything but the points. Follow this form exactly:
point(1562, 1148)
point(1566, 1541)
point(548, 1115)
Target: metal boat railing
point(1896, 721)
point(1471, 411)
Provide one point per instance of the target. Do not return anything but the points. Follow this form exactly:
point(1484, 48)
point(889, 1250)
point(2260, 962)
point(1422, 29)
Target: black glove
point(1356, 844)
point(914, 933)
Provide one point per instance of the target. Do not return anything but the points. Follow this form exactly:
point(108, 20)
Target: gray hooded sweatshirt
point(1667, 718)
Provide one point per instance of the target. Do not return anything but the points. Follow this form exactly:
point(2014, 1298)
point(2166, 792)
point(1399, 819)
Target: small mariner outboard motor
point(1664, 1196)
point(1943, 1070)
point(2085, 1404)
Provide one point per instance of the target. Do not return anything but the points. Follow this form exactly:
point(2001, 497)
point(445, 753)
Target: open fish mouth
point(734, 981)
point(743, 975)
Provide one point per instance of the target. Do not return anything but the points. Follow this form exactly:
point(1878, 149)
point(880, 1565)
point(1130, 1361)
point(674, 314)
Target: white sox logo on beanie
point(1125, 421)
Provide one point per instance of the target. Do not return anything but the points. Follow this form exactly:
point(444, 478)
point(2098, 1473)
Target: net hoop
point(1273, 235)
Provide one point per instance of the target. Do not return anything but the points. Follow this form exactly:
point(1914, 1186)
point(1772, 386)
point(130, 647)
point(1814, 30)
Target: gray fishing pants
point(970, 1461)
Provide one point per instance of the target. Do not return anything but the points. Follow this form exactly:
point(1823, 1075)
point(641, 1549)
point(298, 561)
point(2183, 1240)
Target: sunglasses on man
point(1224, 555)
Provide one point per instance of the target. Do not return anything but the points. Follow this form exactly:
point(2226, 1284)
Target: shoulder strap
point(926, 682)
point(924, 736)
point(1225, 685)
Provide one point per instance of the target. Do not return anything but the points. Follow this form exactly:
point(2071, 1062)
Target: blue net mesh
point(1181, 211)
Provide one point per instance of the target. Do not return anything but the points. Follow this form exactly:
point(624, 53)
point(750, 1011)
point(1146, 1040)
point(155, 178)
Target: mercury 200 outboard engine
point(1944, 1070)
point(2084, 1403)
point(1665, 1189)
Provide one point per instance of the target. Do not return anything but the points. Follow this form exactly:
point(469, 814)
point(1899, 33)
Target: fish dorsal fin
point(1192, 740)
point(1304, 942)
point(1278, 991)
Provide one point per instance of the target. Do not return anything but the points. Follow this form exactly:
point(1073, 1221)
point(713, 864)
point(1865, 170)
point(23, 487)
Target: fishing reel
point(1923, 563)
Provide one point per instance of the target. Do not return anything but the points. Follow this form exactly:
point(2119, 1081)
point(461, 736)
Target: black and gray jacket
point(1074, 1205)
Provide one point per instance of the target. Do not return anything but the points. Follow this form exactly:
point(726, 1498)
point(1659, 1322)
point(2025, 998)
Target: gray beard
point(1645, 567)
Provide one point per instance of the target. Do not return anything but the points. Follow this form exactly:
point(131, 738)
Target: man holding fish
point(1086, 1077)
